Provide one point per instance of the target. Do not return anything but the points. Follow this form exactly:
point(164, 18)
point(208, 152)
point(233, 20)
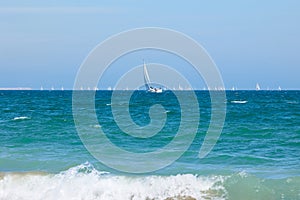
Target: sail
point(148, 82)
point(146, 77)
point(257, 86)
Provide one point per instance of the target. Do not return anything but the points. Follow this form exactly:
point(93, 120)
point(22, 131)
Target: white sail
point(148, 82)
point(257, 86)
point(179, 87)
point(146, 77)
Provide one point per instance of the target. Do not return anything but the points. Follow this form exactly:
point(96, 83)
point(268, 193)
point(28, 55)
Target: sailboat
point(179, 87)
point(257, 86)
point(150, 88)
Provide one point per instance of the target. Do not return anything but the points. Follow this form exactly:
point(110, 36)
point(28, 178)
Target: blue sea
point(42, 155)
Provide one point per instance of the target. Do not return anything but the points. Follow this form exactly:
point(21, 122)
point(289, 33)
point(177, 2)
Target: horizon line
point(68, 89)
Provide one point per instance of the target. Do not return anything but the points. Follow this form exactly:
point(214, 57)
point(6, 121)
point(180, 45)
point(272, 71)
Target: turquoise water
point(256, 157)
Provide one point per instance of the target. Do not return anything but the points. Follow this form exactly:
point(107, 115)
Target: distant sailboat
point(147, 82)
point(279, 88)
point(52, 88)
point(42, 88)
point(257, 86)
point(179, 87)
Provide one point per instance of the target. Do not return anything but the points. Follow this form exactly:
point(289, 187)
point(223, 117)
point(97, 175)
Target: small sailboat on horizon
point(257, 87)
point(147, 81)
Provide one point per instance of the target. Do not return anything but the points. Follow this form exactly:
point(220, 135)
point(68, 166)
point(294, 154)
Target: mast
point(146, 77)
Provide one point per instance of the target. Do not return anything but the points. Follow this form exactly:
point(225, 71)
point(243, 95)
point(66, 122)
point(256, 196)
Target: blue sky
point(43, 43)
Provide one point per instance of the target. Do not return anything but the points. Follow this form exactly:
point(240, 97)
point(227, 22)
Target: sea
point(43, 155)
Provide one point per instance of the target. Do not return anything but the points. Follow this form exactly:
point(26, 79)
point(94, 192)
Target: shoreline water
point(85, 182)
point(256, 156)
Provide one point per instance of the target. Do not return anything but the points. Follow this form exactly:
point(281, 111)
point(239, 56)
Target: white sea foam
point(241, 102)
point(292, 102)
point(97, 126)
point(84, 182)
point(21, 118)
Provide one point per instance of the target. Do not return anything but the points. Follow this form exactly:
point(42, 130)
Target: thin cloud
point(60, 10)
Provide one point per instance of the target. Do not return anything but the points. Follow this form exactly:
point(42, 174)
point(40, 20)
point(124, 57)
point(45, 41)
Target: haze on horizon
point(44, 43)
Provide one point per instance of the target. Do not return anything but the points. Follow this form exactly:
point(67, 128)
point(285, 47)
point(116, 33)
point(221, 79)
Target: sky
point(43, 43)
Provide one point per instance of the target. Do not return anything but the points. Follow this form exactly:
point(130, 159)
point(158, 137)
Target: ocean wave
point(97, 126)
point(21, 118)
point(85, 182)
point(240, 102)
point(292, 102)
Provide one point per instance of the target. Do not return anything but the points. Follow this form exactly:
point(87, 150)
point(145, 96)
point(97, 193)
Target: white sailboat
point(147, 82)
point(257, 86)
point(179, 87)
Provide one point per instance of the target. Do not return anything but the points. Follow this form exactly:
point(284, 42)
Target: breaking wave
point(21, 118)
point(85, 182)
